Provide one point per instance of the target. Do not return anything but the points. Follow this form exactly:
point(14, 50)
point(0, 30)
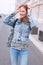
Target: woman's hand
point(17, 9)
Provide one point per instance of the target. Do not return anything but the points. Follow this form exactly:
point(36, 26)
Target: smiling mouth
point(21, 14)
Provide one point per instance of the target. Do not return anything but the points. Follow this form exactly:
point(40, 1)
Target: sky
point(7, 6)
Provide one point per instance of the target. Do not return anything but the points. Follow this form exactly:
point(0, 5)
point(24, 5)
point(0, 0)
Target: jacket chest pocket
point(25, 29)
point(17, 27)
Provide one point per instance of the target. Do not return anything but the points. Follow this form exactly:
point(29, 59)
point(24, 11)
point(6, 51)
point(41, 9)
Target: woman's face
point(22, 12)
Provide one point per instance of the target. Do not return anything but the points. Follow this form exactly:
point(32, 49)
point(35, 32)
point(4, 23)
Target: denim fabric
point(21, 30)
point(22, 54)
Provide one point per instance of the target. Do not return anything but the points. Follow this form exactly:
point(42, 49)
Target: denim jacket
point(21, 30)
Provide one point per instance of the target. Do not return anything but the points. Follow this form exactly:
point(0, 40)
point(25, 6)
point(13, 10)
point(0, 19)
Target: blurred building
point(37, 12)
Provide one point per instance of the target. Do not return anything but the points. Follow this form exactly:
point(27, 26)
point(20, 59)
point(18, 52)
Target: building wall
point(37, 12)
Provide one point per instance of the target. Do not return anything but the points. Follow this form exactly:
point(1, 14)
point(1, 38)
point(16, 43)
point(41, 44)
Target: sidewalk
point(36, 42)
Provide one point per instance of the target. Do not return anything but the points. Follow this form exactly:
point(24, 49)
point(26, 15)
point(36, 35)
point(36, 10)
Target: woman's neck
point(25, 19)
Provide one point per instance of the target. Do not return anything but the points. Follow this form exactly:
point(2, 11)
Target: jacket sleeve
point(8, 19)
point(32, 21)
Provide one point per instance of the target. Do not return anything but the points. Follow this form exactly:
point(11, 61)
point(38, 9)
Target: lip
point(21, 14)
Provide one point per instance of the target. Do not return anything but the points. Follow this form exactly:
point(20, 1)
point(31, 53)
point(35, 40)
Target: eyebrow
point(22, 11)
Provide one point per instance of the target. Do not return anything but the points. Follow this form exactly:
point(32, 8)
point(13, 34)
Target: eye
point(22, 11)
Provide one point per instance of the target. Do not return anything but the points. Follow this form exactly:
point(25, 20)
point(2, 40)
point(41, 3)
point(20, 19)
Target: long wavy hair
point(26, 18)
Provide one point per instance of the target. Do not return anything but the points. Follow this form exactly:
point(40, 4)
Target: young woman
point(20, 40)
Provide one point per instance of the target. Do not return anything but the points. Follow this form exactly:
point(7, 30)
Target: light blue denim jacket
point(21, 30)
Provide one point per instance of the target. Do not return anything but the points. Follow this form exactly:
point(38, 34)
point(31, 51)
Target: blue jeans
point(14, 53)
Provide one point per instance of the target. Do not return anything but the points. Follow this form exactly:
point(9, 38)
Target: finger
point(17, 7)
